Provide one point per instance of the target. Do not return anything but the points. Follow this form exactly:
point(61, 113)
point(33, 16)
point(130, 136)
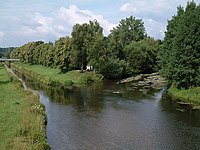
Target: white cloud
point(154, 28)
point(153, 8)
point(1, 35)
point(39, 26)
point(60, 28)
point(127, 7)
point(154, 13)
point(43, 21)
point(44, 25)
point(73, 15)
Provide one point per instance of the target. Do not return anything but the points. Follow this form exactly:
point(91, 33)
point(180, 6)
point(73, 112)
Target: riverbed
point(115, 117)
point(110, 116)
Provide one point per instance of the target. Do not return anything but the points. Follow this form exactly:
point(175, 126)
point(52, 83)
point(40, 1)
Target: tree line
point(125, 51)
point(180, 53)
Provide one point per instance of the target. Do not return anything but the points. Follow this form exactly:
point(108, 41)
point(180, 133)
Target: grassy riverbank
point(191, 95)
point(22, 117)
point(52, 76)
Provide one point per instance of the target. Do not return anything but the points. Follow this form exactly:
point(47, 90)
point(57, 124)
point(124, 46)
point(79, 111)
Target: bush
point(86, 79)
point(113, 68)
point(68, 83)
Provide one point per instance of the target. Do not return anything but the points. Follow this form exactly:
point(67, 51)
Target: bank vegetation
point(23, 118)
point(180, 54)
point(127, 50)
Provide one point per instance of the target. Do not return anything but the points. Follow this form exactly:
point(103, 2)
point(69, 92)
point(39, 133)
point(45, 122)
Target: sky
point(23, 21)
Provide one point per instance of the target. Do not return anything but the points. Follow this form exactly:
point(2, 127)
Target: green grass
point(191, 95)
point(55, 77)
point(21, 126)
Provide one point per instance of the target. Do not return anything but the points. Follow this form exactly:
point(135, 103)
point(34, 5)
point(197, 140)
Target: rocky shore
point(144, 82)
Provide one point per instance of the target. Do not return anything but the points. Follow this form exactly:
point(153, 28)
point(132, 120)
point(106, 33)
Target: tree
point(128, 30)
point(141, 55)
point(26, 52)
point(62, 53)
point(94, 43)
point(180, 55)
point(6, 51)
point(29, 51)
point(125, 51)
point(83, 39)
point(113, 68)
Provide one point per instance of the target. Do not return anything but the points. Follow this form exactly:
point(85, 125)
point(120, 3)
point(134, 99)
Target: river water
point(107, 116)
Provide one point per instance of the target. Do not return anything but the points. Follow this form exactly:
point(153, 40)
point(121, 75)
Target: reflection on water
point(109, 116)
point(191, 118)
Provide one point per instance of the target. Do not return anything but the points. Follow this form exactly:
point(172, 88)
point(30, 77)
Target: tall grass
point(22, 125)
point(191, 95)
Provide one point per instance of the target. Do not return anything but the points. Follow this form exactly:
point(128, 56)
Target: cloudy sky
point(22, 21)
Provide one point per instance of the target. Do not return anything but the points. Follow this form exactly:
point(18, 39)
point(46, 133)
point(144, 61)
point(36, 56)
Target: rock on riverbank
point(145, 81)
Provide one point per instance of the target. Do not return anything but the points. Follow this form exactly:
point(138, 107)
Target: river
point(107, 116)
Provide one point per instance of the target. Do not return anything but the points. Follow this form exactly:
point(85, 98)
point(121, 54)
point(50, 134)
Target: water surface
point(107, 116)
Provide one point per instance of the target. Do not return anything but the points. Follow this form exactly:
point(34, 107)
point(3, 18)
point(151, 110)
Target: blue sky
point(22, 21)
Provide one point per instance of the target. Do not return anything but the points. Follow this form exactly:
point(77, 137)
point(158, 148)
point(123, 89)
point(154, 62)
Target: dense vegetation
point(180, 53)
point(191, 95)
point(22, 117)
point(127, 50)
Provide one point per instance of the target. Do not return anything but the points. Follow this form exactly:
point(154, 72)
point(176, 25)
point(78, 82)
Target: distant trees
point(27, 53)
point(125, 51)
point(180, 54)
point(5, 52)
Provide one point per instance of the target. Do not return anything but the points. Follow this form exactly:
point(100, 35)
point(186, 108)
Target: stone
point(145, 81)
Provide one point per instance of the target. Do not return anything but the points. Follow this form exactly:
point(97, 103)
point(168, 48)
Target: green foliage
point(63, 52)
point(141, 55)
point(26, 52)
point(128, 30)
point(52, 76)
point(22, 126)
point(46, 54)
point(131, 49)
point(113, 68)
point(5, 52)
point(191, 95)
point(179, 57)
point(85, 40)
point(113, 56)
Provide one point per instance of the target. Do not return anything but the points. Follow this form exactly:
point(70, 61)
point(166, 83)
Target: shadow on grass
point(5, 82)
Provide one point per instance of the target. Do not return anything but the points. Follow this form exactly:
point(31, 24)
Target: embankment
point(186, 97)
point(54, 77)
point(23, 118)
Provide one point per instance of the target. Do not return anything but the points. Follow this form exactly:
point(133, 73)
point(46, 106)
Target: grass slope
point(22, 125)
point(54, 76)
point(191, 95)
